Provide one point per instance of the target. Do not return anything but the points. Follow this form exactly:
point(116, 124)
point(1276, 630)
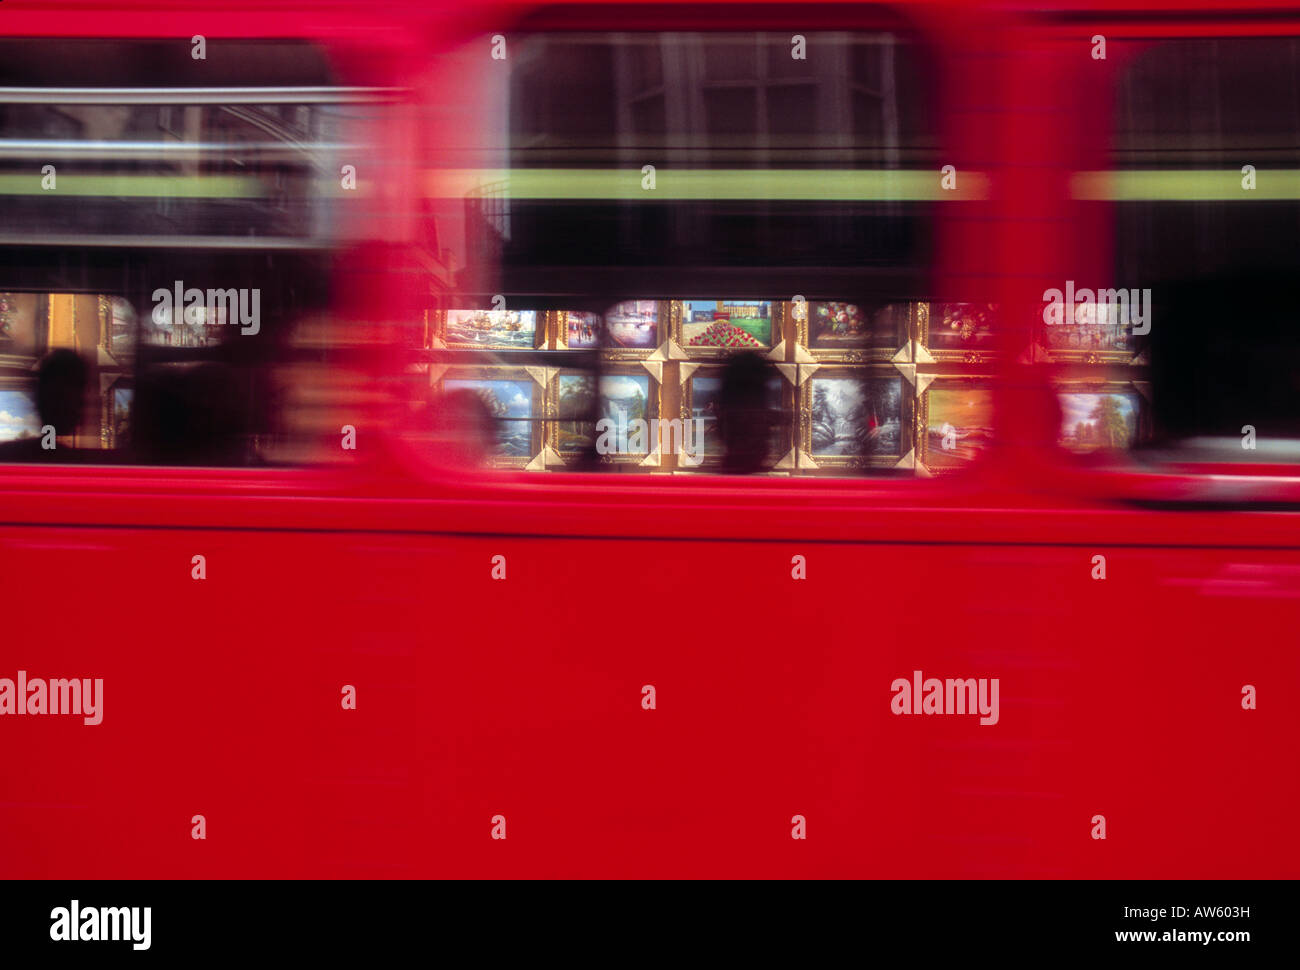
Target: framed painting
point(702, 404)
point(116, 425)
point(23, 328)
point(514, 401)
point(117, 328)
point(166, 325)
point(853, 332)
point(1097, 333)
point(956, 425)
point(611, 417)
point(635, 328)
point(1101, 416)
point(856, 418)
point(715, 328)
point(964, 332)
point(577, 409)
point(491, 329)
point(580, 330)
point(18, 415)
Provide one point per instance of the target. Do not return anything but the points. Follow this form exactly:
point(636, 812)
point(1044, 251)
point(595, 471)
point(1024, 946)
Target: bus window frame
point(1179, 483)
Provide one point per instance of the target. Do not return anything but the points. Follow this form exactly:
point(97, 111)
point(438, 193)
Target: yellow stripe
point(1204, 185)
point(798, 185)
point(123, 186)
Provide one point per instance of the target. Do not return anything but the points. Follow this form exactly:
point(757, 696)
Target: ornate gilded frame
point(905, 324)
point(926, 452)
point(606, 349)
point(21, 362)
point(809, 461)
point(1139, 390)
point(783, 442)
point(927, 328)
point(108, 436)
point(124, 358)
point(653, 400)
point(538, 378)
point(1135, 356)
point(677, 331)
point(438, 336)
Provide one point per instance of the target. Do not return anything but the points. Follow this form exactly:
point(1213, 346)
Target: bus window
point(689, 252)
point(170, 249)
point(1207, 217)
point(66, 391)
point(81, 383)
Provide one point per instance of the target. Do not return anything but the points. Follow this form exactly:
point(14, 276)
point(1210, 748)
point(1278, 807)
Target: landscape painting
point(856, 417)
point(625, 396)
point(727, 324)
point(584, 400)
point(511, 404)
point(1095, 422)
point(576, 412)
point(18, 418)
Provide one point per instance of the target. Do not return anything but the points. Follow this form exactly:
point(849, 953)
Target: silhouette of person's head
point(61, 389)
point(191, 415)
point(464, 429)
point(744, 421)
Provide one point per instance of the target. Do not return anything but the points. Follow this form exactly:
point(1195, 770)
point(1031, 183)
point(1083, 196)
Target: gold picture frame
point(819, 420)
point(683, 308)
point(565, 435)
point(1095, 343)
point(1136, 392)
point(940, 327)
point(783, 408)
point(506, 382)
point(24, 329)
point(616, 335)
point(471, 329)
point(900, 316)
point(117, 345)
point(115, 422)
point(958, 439)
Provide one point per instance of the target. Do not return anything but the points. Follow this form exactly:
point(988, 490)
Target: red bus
point(923, 368)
